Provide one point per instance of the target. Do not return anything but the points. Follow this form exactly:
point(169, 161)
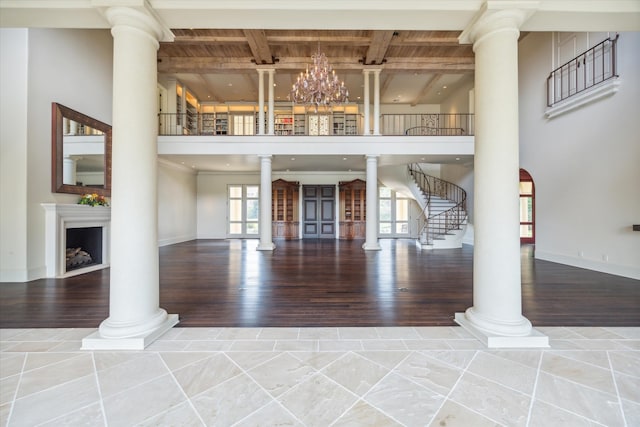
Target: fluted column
point(371, 222)
point(271, 103)
point(261, 101)
point(376, 102)
point(266, 239)
point(367, 124)
point(135, 318)
point(496, 315)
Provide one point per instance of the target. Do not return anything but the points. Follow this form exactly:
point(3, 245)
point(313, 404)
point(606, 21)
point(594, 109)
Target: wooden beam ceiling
point(378, 47)
point(259, 46)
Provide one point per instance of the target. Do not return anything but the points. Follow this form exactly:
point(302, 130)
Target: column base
point(266, 247)
point(534, 339)
point(96, 342)
point(371, 246)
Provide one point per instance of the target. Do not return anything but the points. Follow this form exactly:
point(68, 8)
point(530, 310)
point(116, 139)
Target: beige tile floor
point(436, 376)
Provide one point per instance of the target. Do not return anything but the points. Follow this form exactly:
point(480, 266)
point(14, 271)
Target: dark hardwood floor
point(325, 283)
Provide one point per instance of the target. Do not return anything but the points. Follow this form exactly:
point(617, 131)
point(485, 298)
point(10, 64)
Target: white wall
point(72, 67)
point(457, 102)
point(584, 164)
point(13, 154)
point(176, 203)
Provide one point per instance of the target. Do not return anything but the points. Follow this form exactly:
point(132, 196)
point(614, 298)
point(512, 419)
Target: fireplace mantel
point(60, 217)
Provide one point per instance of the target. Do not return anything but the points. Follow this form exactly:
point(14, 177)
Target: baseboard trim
point(589, 264)
point(174, 240)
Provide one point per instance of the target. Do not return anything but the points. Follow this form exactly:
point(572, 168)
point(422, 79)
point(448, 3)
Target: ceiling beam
point(259, 46)
point(217, 64)
point(378, 47)
point(425, 89)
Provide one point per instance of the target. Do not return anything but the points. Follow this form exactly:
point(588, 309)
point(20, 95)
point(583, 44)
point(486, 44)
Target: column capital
point(265, 156)
point(498, 15)
point(372, 157)
point(140, 16)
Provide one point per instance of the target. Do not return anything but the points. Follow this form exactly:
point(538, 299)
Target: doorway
point(527, 208)
point(318, 211)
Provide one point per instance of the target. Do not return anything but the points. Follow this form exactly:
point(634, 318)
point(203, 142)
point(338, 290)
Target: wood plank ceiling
point(220, 65)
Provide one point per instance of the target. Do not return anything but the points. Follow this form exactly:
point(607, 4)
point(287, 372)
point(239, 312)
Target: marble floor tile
point(182, 414)
point(404, 400)
point(453, 414)
point(579, 372)
point(317, 401)
point(91, 415)
point(440, 377)
point(545, 415)
point(281, 373)
point(429, 373)
point(40, 379)
point(205, 374)
point(230, 401)
point(631, 412)
point(365, 415)
point(581, 400)
point(504, 371)
point(130, 374)
point(54, 402)
point(142, 402)
point(274, 414)
point(492, 400)
point(355, 373)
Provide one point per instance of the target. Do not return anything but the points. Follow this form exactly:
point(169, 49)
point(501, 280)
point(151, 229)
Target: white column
point(376, 102)
point(367, 125)
point(271, 103)
point(69, 170)
point(261, 101)
point(135, 318)
point(266, 240)
point(496, 315)
point(371, 242)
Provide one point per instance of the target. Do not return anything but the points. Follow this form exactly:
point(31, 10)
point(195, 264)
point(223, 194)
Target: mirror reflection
point(81, 153)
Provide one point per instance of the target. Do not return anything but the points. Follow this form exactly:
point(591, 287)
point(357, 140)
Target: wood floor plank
point(325, 283)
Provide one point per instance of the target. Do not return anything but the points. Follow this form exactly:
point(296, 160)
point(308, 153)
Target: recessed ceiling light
point(193, 166)
point(438, 93)
point(457, 158)
point(422, 158)
point(229, 84)
point(274, 85)
point(444, 87)
point(228, 164)
point(344, 158)
point(293, 158)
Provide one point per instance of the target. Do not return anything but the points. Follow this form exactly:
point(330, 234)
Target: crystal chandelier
point(319, 85)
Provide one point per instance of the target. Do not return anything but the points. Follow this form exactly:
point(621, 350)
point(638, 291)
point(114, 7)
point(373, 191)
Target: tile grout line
point(615, 385)
point(447, 397)
point(15, 394)
point(535, 389)
point(95, 374)
point(181, 390)
point(273, 399)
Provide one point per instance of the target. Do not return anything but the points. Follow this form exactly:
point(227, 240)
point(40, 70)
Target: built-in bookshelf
point(283, 124)
point(286, 223)
point(299, 121)
point(352, 209)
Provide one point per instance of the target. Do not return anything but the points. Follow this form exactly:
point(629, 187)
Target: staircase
point(444, 217)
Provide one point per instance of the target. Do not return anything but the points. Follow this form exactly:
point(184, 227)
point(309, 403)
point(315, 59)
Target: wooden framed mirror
point(80, 153)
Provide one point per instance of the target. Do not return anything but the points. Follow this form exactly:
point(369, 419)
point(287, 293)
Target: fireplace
point(84, 247)
point(77, 238)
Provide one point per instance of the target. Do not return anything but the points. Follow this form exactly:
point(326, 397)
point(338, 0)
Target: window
point(244, 124)
point(244, 210)
point(527, 208)
point(393, 213)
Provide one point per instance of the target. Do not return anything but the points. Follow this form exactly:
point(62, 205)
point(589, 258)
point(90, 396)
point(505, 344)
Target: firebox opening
point(84, 247)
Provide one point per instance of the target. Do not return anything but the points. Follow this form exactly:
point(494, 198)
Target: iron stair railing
point(436, 226)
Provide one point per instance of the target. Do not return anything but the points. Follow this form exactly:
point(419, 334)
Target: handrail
point(441, 223)
point(219, 124)
point(427, 130)
point(593, 71)
point(422, 181)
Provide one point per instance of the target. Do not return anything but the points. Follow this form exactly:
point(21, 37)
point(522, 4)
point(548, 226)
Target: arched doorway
point(527, 208)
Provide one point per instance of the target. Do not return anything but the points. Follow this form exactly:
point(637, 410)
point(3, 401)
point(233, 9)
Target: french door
point(319, 211)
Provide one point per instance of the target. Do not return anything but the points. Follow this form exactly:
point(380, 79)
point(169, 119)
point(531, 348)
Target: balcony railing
point(212, 124)
point(586, 70)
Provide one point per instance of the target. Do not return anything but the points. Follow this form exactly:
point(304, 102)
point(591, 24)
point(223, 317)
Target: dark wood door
point(319, 211)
